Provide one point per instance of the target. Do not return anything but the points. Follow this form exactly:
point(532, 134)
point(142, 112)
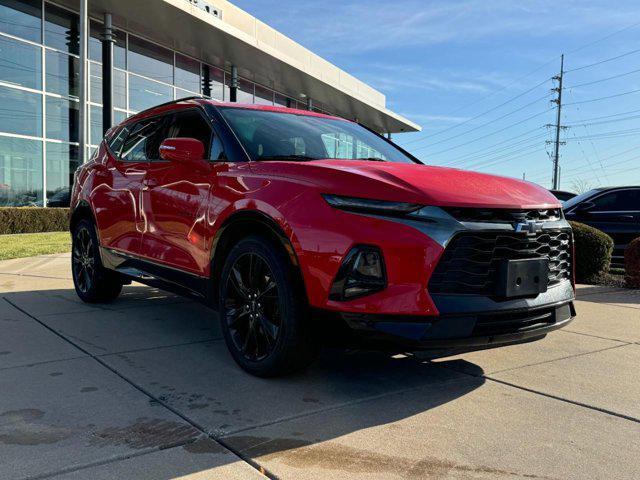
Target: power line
point(606, 37)
point(488, 96)
point(458, 135)
point(488, 151)
point(601, 116)
point(605, 79)
point(603, 61)
point(490, 134)
point(593, 146)
point(603, 98)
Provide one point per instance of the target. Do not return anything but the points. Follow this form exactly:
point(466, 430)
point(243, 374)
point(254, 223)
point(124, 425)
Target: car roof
point(181, 102)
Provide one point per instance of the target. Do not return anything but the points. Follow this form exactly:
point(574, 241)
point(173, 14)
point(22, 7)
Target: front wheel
point(263, 312)
point(93, 282)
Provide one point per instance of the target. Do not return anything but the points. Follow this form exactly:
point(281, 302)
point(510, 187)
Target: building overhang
point(240, 39)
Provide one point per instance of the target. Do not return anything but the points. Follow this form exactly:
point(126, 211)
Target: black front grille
point(503, 215)
point(470, 264)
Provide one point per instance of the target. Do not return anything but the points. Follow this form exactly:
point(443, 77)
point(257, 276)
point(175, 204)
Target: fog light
point(362, 273)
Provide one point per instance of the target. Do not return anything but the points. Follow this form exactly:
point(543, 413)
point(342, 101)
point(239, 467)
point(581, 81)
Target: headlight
point(367, 205)
point(362, 272)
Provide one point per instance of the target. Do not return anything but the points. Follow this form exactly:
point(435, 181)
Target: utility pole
point(557, 126)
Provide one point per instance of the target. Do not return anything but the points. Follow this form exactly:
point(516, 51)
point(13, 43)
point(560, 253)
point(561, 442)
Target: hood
point(416, 183)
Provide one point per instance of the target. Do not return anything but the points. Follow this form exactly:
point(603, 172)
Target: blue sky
point(444, 63)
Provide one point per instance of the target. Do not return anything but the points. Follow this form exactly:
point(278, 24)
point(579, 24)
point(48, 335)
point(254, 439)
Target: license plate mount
point(524, 277)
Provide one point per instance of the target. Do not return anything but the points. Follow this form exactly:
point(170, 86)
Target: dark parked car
point(614, 210)
point(563, 195)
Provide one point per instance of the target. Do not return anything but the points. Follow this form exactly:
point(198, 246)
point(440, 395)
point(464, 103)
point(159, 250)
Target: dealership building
point(56, 95)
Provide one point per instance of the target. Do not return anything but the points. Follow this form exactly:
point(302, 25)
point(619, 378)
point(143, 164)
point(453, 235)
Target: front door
point(175, 200)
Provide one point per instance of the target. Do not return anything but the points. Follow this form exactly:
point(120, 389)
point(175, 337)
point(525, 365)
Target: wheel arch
point(81, 211)
point(238, 226)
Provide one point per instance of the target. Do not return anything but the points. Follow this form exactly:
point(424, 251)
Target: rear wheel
point(263, 312)
point(93, 282)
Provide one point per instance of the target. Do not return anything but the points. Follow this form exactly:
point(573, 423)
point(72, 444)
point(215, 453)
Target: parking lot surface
point(144, 388)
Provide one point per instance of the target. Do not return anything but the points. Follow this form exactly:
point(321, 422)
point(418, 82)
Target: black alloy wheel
point(93, 282)
point(252, 312)
point(263, 309)
point(83, 259)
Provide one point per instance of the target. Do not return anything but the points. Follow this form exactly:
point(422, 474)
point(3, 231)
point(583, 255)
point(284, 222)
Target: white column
point(84, 36)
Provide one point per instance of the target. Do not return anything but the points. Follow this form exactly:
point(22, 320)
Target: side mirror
point(584, 207)
point(182, 150)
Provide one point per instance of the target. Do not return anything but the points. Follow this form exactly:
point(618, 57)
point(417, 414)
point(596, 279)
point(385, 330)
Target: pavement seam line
point(596, 336)
point(342, 405)
point(559, 358)
point(107, 461)
point(160, 347)
point(567, 400)
point(554, 397)
point(44, 362)
point(191, 422)
point(34, 276)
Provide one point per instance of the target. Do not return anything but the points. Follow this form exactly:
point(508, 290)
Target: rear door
point(175, 200)
point(617, 213)
point(116, 195)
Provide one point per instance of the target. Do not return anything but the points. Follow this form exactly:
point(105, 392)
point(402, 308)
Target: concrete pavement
point(144, 388)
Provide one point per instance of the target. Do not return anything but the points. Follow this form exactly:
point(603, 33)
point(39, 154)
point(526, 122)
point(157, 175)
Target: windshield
point(577, 199)
point(287, 136)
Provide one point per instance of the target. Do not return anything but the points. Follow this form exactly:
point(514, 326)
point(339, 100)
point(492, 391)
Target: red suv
point(298, 226)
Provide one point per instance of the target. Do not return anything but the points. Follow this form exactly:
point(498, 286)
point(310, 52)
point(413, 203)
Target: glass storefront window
point(119, 49)
point(245, 91)
point(20, 112)
point(62, 75)
point(95, 82)
point(119, 85)
point(62, 119)
point(95, 125)
point(145, 93)
point(184, 94)
point(20, 172)
point(119, 117)
point(20, 63)
point(213, 78)
point(21, 18)
point(264, 96)
point(187, 73)
point(150, 60)
point(284, 101)
point(61, 29)
point(62, 161)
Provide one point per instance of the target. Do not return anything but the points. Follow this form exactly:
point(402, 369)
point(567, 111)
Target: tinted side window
point(190, 124)
point(116, 141)
point(143, 143)
point(622, 200)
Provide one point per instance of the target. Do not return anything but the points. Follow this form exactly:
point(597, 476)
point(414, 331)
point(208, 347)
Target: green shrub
point(632, 264)
point(33, 220)
point(593, 252)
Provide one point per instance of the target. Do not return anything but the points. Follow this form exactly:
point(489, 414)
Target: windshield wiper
point(371, 159)
point(301, 158)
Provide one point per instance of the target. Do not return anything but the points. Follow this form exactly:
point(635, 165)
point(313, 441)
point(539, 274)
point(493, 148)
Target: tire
point(263, 310)
point(93, 282)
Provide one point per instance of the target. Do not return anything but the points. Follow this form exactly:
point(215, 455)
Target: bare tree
point(580, 185)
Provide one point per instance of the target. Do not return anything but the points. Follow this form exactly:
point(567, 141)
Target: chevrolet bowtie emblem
point(529, 227)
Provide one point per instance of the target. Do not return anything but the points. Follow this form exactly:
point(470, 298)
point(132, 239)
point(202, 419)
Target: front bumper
point(469, 322)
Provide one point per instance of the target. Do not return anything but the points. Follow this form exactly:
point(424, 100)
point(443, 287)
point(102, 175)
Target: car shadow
point(171, 350)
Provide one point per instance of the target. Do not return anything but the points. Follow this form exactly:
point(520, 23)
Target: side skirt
point(156, 275)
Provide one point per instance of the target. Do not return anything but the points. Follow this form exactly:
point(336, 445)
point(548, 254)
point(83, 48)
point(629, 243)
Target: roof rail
point(192, 97)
